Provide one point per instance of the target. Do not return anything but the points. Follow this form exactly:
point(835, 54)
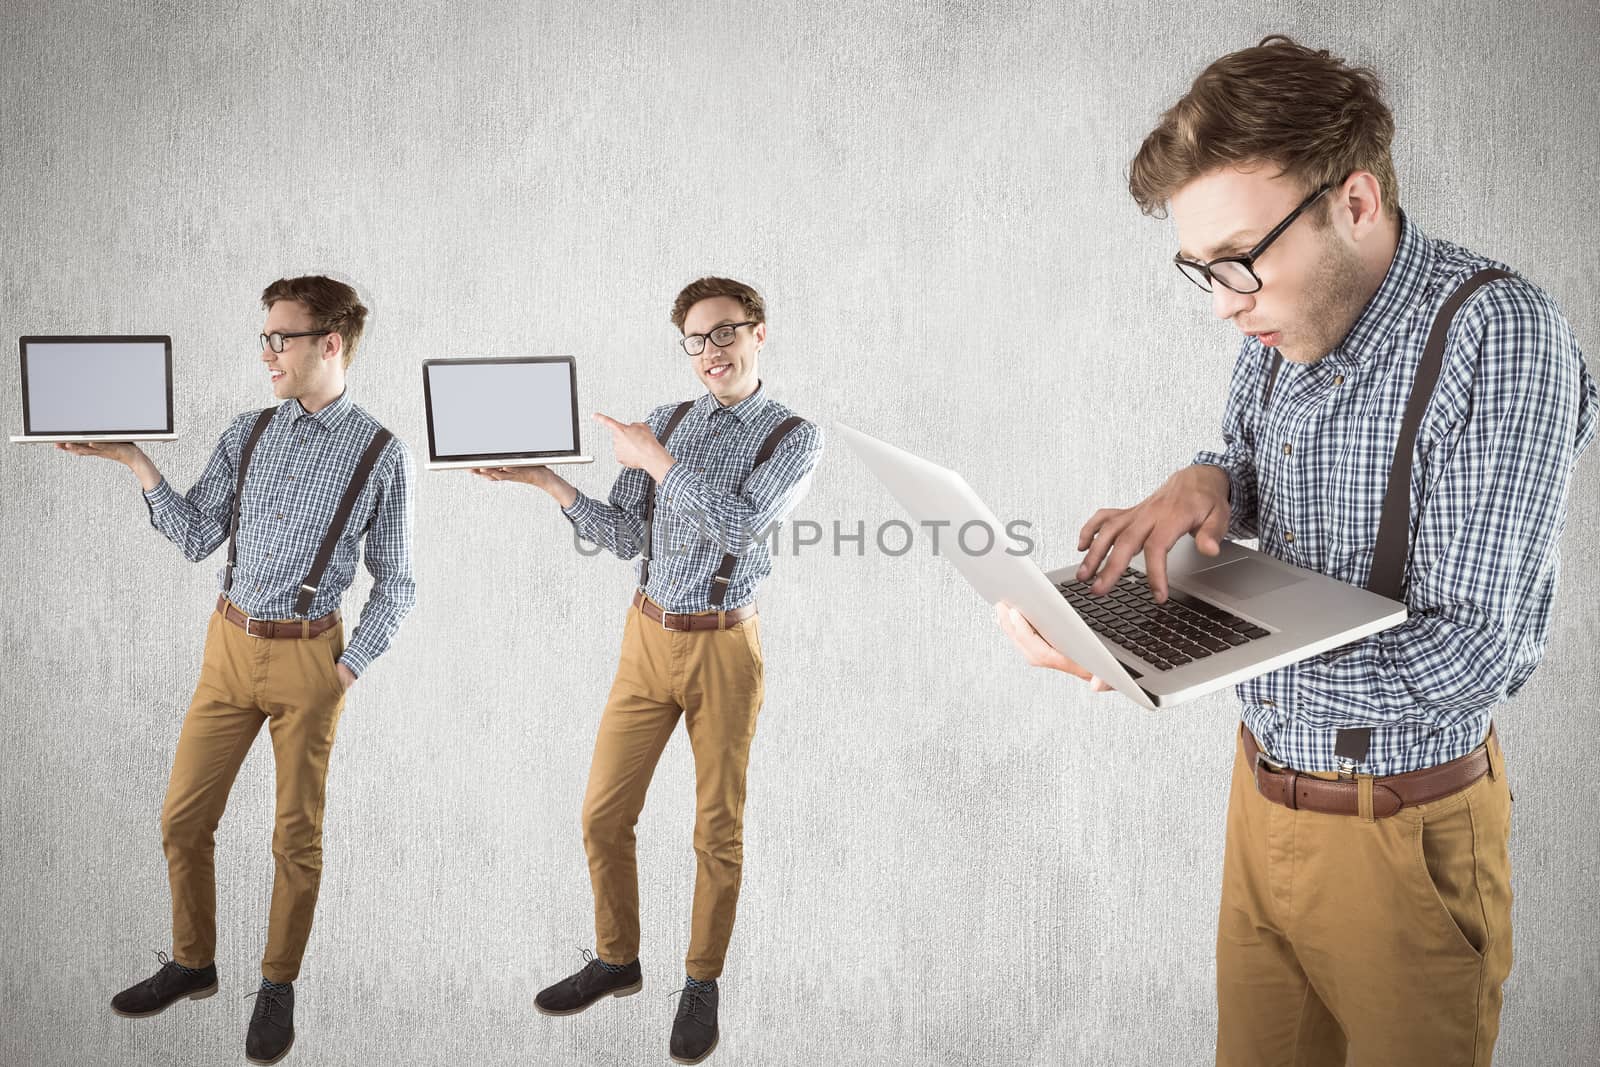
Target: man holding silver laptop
point(301, 492)
point(1404, 415)
point(704, 480)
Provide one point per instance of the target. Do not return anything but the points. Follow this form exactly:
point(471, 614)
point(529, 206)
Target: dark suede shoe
point(166, 987)
point(694, 1031)
point(271, 1033)
point(577, 991)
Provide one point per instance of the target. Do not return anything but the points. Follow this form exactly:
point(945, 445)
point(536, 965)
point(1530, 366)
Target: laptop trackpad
point(1242, 579)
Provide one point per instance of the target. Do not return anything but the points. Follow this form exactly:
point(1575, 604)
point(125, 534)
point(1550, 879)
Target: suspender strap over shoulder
point(1393, 547)
point(724, 575)
point(256, 430)
point(650, 492)
point(1394, 527)
point(341, 519)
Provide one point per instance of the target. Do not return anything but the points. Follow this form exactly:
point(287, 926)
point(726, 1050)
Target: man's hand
point(539, 477)
point(126, 453)
point(347, 677)
point(1194, 500)
point(1039, 652)
point(636, 446)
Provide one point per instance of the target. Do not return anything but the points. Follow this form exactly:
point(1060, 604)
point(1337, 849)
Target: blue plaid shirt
point(711, 502)
point(1514, 409)
point(298, 474)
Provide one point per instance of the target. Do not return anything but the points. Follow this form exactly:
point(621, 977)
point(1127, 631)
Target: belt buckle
point(672, 629)
point(1263, 760)
point(247, 621)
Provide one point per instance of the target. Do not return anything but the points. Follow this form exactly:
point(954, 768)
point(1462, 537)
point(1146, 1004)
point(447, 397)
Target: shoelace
point(167, 964)
point(269, 999)
point(591, 960)
point(693, 1000)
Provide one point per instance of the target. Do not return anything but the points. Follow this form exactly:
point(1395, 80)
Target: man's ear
point(760, 333)
point(333, 346)
point(1362, 198)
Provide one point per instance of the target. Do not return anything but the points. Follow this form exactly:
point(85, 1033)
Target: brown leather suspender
point(1392, 547)
point(341, 518)
point(256, 431)
point(724, 575)
point(650, 493)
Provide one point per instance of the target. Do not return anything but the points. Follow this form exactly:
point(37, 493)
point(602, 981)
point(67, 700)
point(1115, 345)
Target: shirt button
point(1338, 379)
point(291, 477)
point(280, 516)
point(1287, 448)
point(1288, 535)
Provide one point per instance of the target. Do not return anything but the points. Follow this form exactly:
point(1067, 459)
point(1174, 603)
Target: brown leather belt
point(277, 628)
point(681, 621)
point(1304, 792)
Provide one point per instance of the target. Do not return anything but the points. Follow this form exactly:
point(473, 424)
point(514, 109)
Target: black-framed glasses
point(275, 340)
point(722, 337)
point(1238, 272)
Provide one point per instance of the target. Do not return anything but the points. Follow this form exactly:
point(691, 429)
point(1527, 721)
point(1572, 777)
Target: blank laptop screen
point(503, 409)
point(97, 386)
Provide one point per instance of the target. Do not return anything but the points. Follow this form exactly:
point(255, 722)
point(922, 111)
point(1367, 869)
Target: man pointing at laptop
point(1277, 170)
point(704, 480)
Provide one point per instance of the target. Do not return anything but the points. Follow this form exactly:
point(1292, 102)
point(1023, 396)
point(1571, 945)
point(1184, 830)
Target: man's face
point(729, 372)
point(1311, 275)
point(307, 366)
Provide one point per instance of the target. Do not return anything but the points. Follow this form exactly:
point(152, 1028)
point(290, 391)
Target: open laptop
point(520, 411)
point(1228, 617)
point(96, 389)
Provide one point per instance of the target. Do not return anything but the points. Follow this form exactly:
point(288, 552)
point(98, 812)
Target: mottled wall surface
point(950, 858)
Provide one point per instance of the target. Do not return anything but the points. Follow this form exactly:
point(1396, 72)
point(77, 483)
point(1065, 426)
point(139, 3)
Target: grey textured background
point(950, 858)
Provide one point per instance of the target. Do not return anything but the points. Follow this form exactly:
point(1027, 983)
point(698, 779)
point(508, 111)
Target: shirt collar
point(744, 410)
point(1396, 297)
point(331, 417)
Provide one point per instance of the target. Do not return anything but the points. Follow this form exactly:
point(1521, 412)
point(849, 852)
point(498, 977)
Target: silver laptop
point(96, 389)
point(1228, 617)
point(520, 411)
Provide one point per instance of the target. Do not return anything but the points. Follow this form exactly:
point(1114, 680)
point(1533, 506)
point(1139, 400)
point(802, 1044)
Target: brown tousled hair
point(333, 305)
point(700, 289)
point(1315, 117)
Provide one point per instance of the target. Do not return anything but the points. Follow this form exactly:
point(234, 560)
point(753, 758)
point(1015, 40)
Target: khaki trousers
point(1385, 941)
point(293, 686)
point(713, 678)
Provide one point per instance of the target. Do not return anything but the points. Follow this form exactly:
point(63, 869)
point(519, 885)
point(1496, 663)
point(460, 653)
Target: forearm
point(145, 470)
point(1430, 667)
point(1235, 479)
point(734, 520)
point(196, 533)
point(388, 604)
point(611, 527)
point(561, 491)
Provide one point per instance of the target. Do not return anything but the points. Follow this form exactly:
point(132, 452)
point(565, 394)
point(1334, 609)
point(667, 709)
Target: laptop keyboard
point(1167, 635)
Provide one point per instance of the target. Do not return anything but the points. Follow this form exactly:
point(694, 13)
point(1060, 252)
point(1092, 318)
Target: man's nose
point(1225, 303)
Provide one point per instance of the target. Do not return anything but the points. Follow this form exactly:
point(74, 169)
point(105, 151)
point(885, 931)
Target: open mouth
point(277, 375)
point(721, 370)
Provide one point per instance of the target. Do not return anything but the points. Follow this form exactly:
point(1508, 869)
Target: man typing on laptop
point(294, 490)
point(1277, 170)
